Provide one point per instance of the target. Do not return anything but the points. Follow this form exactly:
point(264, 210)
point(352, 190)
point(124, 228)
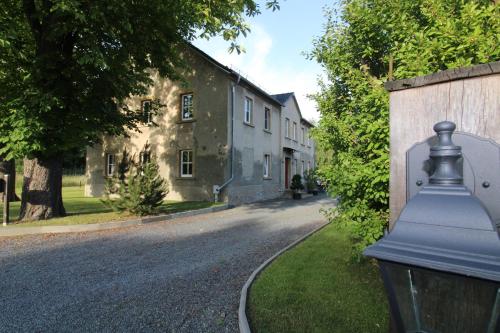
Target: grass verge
point(85, 210)
point(315, 287)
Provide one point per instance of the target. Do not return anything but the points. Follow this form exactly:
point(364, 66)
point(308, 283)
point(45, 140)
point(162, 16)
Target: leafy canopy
point(419, 37)
point(66, 66)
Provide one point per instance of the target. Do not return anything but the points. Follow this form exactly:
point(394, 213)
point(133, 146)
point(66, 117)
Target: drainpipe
point(218, 188)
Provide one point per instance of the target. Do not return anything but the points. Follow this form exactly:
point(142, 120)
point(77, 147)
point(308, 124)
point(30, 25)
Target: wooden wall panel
point(471, 103)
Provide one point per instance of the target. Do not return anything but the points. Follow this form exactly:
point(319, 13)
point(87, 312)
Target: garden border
point(242, 316)
point(54, 229)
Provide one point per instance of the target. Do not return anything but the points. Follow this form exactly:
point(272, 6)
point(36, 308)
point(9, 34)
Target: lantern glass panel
point(425, 300)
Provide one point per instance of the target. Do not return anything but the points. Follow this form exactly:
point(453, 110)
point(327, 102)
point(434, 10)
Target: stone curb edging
point(242, 317)
point(54, 229)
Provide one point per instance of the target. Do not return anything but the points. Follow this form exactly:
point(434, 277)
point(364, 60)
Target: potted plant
point(311, 181)
point(296, 186)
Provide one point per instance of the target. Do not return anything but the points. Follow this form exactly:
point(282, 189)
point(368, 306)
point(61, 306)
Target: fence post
point(6, 201)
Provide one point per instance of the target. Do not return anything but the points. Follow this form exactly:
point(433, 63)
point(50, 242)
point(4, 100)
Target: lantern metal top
point(444, 227)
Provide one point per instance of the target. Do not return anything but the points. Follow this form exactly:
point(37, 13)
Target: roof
point(282, 98)
point(445, 76)
point(236, 75)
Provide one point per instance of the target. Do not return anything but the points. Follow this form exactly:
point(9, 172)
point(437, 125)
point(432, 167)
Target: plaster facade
point(298, 153)
point(228, 151)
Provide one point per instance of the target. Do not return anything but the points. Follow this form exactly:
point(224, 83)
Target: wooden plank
point(472, 103)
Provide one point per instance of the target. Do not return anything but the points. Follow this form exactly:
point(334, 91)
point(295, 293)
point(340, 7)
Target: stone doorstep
point(54, 229)
point(288, 194)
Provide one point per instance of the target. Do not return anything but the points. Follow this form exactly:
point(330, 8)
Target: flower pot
point(315, 192)
point(297, 196)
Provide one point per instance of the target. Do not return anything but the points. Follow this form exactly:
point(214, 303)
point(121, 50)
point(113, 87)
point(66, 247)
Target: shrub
point(363, 47)
point(310, 179)
point(137, 187)
point(296, 184)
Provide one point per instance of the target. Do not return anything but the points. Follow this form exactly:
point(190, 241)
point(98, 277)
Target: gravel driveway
point(183, 275)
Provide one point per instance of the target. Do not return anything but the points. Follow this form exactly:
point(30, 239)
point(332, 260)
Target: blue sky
point(274, 57)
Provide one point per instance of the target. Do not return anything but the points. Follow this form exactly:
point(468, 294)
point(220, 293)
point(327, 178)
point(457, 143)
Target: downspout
point(218, 188)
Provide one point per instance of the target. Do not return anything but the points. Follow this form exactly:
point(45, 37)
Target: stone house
point(297, 146)
point(217, 137)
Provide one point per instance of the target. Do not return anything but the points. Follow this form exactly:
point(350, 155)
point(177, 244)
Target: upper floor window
point(287, 127)
point(186, 165)
point(187, 106)
point(303, 130)
point(248, 110)
point(146, 111)
point(294, 132)
point(110, 164)
point(267, 119)
point(144, 157)
point(308, 139)
point(267, 165)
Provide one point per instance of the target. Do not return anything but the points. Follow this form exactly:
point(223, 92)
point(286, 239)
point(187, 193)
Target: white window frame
point(303, 129)
point(294, 132)
point(267, 165)
point(184, 106)
point(110, 164)
point(296, 163)
point(188, 162)
point(303, 169)
point(267, 119)
point(287, 128)
point(148, 117)
point(248, 110)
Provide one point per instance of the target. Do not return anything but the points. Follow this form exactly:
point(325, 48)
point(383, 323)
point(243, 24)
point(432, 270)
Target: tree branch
point(31, 14)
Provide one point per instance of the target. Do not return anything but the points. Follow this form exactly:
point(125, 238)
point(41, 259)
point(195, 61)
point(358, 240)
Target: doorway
point(287, 172)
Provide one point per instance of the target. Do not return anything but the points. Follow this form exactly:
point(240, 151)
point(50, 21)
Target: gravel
point(183, 275)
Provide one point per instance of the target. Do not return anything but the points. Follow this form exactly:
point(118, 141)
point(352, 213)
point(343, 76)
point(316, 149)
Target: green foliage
point(310, 179)
point(296, 184)
point(418, 37)
point(66, 66)
point(136, 188)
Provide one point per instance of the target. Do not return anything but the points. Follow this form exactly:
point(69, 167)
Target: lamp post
point(441, 262)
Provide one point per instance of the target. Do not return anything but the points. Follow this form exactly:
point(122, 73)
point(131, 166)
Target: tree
point(372, 42)
point(137, 187)
point(66, 66)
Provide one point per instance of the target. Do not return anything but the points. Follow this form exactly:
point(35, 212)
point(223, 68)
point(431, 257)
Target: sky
point(274, 58)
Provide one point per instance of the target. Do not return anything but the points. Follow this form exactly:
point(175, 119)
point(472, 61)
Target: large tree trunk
point(42, 189)
point(9, 168)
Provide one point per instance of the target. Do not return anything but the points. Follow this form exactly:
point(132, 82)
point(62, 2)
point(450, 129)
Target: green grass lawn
point(315, 287)
point(85, 210)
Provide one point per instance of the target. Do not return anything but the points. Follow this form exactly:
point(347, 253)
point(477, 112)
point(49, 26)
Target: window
point(110, 164)
point(308, 139)
point(302, 169)
point(144, 157)
point(267, 119)
point(186, 163)
point(303, 135)
point(248, 110)
point(308, 165)
point(296, 165)
point(187, 106)
point(267, 166)
point(287, 128)
point(146, 111)
point(294, 131)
